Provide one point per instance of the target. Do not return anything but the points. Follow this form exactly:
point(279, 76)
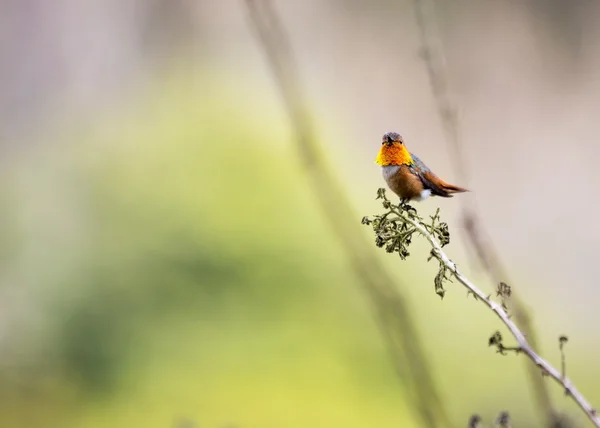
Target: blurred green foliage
point(189, 276)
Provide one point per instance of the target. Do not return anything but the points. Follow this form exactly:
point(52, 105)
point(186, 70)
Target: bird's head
point(393, 151)
point(392, 138)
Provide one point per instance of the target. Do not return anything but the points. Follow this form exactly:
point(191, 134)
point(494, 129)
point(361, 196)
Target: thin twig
point(563, 360)
point(503, 420)
point(523, 345)
point(391, 309)
point(434, 58)
point(474, 421)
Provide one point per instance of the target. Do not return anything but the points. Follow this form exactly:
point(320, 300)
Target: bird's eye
point(391, 138)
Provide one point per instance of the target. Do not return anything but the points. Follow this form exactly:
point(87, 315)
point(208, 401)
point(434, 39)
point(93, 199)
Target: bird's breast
point(403, 181)
point(389, 171)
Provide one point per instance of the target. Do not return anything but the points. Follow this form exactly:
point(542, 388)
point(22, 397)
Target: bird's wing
point(428, 178)
point(419, 163)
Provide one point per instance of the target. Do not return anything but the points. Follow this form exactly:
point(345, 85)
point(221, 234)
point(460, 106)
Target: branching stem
point(523, 346)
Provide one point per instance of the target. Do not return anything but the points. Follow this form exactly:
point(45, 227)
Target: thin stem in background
point(389, 306)
point(433, 54)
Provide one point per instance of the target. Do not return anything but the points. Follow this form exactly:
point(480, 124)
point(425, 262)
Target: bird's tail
point(451, 188)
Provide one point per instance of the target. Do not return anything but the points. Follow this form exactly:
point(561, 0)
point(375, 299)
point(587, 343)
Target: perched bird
point(406, 175)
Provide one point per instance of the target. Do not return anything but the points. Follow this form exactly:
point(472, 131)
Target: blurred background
point(165, 263)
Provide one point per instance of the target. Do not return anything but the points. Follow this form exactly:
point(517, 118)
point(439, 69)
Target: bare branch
point(390, 224)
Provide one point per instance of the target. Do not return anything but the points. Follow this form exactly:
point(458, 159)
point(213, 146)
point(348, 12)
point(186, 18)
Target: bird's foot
point(405, 206)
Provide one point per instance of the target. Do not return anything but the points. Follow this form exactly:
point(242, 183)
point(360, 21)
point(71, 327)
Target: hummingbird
point(406, 175)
